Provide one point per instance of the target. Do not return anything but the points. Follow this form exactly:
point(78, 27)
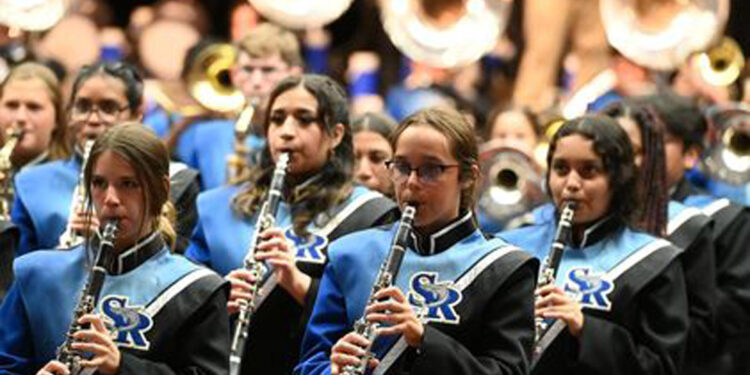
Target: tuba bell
point(512, 183)
point(445, 33)
point(728, 158)
point(209, 79)
point(301, 14)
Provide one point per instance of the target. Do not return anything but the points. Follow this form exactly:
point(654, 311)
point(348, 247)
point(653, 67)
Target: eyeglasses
point(427, 173)
point(108, 109)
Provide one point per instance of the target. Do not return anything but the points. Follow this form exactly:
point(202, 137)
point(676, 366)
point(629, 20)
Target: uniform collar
point(684, 189)
point(136, 255)
point(37, 160)
point(600, 229)
point(445, 237)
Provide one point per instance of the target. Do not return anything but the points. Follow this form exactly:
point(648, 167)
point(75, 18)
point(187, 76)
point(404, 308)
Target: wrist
point(299, 286)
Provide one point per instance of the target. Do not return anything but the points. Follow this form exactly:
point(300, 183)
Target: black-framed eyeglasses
point(429, 172)
point(108, 109)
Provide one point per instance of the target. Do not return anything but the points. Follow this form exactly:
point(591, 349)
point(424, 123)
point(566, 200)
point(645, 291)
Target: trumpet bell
point(728, 159)
point(512, 184)
point(445, 33)
point(722, 64)
point(661, 35)
point(209, 80)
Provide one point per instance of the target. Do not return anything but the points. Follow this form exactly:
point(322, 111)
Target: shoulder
point(352, 244)
point(34, 173)
point(220, 195)
point(198, 278)
point(44, 266)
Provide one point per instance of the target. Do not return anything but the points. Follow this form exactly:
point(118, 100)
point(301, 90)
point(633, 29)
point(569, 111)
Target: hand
point(395, 311)
point(349, 350)
point(97, 341)
point(553, 303)
point(276, 249)
point(240, 280)
point(82, 225)
point(54, 368)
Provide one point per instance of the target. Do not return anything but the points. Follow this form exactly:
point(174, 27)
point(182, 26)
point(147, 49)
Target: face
point(577, 173)
point(515, 131)
point(636, 139)
point(294, 127)
point(99, 103)
point(117, 193)
point(371, 151)
point(437, 202)
point(256, 77)
point(675, 155)
point(26, 105)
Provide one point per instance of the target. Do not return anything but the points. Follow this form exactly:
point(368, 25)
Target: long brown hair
point(59, 147)
point(150, 160)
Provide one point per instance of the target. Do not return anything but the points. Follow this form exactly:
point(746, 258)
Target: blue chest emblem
point(589, 288)
point(434, 300)
point(129, 323)
point(308, 249)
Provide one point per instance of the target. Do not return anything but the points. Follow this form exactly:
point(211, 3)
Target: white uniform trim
point(396, 350)
point(716, 206)
point(686, 214)
point(156, 305)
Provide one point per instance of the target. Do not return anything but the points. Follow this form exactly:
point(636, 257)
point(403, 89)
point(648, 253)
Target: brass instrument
point(512, 184)
point(209, 79)
point(662, 35)
point(722, 64)
point(6, 168)
point(266, 219)
point(385, 278)
point(548, 272)
point(445, 33)
point(301, 14)
point(37, 15)
point(69, 237)
point(728, 158)
point(237, 162)
point(89, 298)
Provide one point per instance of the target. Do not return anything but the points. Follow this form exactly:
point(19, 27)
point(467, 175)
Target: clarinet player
point(461, 303)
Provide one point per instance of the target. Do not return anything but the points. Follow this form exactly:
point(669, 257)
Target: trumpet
point(549, 269)
point(6, 168)
point(728, 158)
point(89, 297)
point(385, 278)
point(266, 219)
point(69, 238)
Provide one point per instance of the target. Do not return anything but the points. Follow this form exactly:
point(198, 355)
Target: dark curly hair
point(334, 183)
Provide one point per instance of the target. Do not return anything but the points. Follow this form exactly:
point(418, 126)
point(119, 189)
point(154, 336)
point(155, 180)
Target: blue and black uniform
point(168, 314)
point(475, 296)
point(221, 241)
point(631, 288)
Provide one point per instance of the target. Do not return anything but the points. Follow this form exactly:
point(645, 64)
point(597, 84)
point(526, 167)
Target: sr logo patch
point(433, 300)
point(129, 322)
point(310, 248)
point(591, 289)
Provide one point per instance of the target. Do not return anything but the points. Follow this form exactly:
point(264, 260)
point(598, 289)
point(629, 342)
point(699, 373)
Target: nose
point(111, 198)
point(288, 128)
point(573, 182)
point(363, 171)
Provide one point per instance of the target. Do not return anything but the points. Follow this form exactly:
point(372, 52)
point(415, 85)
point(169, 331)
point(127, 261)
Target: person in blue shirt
point(157, 312)
point(102, 95)
point(308, 119)
point(461, 303)
point(618, 304)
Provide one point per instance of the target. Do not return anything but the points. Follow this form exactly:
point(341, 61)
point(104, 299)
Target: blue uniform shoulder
point(45, 266)
point(34, 173)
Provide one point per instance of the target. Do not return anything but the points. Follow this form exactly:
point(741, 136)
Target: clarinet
point(90, 296)
point(266, 219)
point(384, 279)
point(69, 238)
point(549, 269)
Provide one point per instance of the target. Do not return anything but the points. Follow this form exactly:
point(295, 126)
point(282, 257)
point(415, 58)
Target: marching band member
point(167, 315)
point(685, 129)
point(688, 228)
point(102, 95)
point(618, 305)
point(461, 304)
point(307, 118)
point(371, 150)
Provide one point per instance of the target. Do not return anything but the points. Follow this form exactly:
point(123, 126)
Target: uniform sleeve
point(197, 250)
point(655, 344)
point(203, 345)
point(733, 279)
point(16, 347)
point(504, 348)
point(27, 233)
point(327, 324)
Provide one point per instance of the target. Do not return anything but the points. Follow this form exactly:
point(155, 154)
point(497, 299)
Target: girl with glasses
point(103, 95)
point(157, 312)
point(308, 119)
point(618, 304)
point(460, 304)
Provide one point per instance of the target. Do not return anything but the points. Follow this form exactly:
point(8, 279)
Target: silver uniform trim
point(716, 206)
point(156, 305)
point(397, 349)
point(686, 214)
